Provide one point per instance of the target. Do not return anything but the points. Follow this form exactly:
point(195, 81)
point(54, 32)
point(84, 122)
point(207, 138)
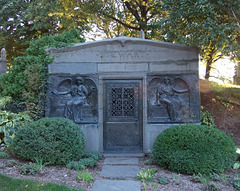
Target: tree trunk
point(208, 69)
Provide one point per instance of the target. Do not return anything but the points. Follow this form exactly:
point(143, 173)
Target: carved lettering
point(124, 54)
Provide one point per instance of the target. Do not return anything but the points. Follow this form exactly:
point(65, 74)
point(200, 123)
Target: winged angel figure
point(166, 95)
point(77, 98)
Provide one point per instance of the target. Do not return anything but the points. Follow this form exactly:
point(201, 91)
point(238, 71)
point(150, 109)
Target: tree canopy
point(22, 21)
point(210, 25)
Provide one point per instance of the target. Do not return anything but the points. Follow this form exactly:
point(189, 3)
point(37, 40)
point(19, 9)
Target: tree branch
point(133, 11)
point(122, 23)
point(236, 18)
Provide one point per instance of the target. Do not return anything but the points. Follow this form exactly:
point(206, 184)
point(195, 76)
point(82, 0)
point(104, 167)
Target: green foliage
point(7, 183)
point(176, 177)
point(95, 155)
point(121, 18)
point(4, 155)
point(236, 182)
point(53, 140)
point(194, 149)
point(31, 20)
point(210, 25)
point(28, 76)
point(206, 118)
point(84, 176)
point(10, 123)
point(31, 168)
point(12, 163)
point(146, 175)
point(4, 101)
point(82, 164)
point(227, 102)
point(205, 180)
point(16, 105)
point(163, 180)
point(28, 169)
point(236, 165)
point(212, 187)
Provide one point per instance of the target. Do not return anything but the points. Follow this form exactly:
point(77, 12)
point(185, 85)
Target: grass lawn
point(11, 184)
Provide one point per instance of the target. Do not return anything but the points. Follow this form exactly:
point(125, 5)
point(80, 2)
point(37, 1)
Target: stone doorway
point(123, 123)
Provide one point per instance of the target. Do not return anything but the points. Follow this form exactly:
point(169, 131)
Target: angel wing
point(63, 89)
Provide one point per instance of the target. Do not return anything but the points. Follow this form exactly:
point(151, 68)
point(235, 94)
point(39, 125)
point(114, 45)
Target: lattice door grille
point(122, 102)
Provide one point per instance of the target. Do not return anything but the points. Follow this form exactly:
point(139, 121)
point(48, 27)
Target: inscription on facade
point(124, 54)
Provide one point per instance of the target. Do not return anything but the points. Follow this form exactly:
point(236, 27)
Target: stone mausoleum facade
point(123, 92)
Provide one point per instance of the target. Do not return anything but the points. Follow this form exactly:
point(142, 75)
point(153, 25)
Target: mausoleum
point(123, 92)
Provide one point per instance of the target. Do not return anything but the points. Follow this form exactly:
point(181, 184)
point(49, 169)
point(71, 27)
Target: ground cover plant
point(7, 183)
point(194, 149)
point(10, 123)
point(51, 140)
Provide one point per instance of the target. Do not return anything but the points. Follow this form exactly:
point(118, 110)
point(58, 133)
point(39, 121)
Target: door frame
point(140, 107)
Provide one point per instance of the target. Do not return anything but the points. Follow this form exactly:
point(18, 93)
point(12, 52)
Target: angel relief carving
point(166, 95)
point(77, 99)
point(168, 99)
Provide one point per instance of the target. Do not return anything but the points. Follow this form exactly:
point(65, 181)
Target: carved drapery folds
point(74, 98)
point(173, 99)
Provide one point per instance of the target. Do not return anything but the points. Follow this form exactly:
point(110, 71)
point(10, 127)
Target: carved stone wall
point(173, 98)
point(73, 97)
point(90, 84)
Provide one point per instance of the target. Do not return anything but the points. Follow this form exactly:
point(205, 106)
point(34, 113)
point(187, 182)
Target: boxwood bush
point(194, 149)
point(53, 140)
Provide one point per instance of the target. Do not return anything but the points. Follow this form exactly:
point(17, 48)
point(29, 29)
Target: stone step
point(138, 155)
point(116, 185)
point(120, 172)
point(121, 161)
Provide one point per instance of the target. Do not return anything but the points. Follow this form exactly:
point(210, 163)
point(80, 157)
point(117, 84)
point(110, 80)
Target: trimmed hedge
point(53, 140)
point(194, 149)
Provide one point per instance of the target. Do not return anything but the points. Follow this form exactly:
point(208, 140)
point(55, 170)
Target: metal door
point(122, 130)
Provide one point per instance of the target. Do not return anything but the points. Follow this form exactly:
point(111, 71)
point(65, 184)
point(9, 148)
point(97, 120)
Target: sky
point(223, 68)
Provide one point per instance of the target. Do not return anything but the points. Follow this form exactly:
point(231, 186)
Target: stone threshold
point(138, 155)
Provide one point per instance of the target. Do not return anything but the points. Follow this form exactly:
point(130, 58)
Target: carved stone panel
point(173, 99)
point(73, 97)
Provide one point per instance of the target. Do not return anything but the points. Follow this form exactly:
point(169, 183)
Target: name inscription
point(123, 54)
point(107, 54)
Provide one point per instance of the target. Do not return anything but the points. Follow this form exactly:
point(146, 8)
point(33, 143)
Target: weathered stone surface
point(73, 97)
point(173, 98)
point(120, 54)
point(3, 66)
point(125, 59)
point(121, 161)
point(116, 185)
point(119, 171)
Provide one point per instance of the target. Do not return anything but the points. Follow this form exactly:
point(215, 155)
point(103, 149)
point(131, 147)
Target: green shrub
point(27, 77)
point(82, 164)
point(10, 123)
point(4, 155)
point(194, 149)
point(53, 140)
point(95, 155)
